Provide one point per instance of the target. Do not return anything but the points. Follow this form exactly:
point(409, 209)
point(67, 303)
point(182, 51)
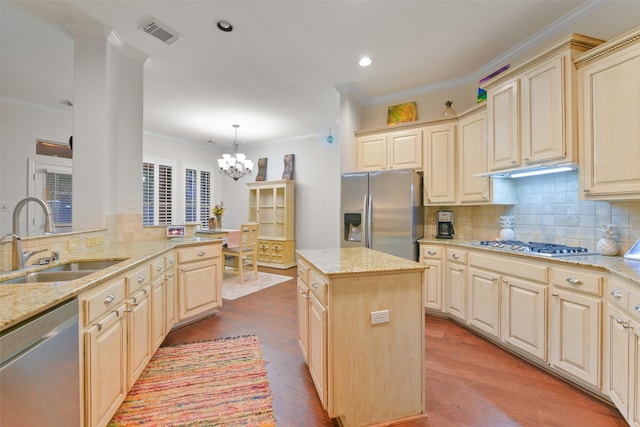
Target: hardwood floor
point(470, 382)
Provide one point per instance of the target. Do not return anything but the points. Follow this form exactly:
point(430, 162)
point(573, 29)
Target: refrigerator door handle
point(369, 243)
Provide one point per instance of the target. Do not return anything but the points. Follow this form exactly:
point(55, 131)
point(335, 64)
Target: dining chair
point(246, 253)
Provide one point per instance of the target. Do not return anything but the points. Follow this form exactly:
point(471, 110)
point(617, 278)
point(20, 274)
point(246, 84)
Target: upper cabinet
point(440, 162)
point(398, 149)
point(531, 109)
point(609, 91)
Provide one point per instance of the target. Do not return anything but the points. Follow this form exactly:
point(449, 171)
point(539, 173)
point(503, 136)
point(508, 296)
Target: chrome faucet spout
point(18, 258)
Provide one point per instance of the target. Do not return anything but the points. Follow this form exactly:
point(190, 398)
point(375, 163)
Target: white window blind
point(197, 195)
point(158, 195)
point(57, 193)
point(205, 198)
point(190, 195)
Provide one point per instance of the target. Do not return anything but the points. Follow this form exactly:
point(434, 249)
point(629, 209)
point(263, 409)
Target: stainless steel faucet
point(19, 258)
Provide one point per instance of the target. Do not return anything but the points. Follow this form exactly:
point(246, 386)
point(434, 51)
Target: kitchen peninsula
point(361, 331)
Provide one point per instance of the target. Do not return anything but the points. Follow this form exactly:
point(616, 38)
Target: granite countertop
point(626, 268)
point(18, 302)
point(341, 261)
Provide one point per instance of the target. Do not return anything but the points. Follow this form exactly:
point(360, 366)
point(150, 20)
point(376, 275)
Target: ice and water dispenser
point(352, 227)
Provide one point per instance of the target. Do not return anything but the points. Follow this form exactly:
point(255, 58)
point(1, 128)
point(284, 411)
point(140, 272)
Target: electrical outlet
point(73, 244)
point(381, 316)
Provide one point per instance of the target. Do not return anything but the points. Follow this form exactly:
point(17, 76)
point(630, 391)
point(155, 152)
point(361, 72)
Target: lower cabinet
point(158, 305)
point(317, 361)
point(622, 349)
point(199, 280)
point(431, 256)
point(171, 292)
point(484, 301)
point(303, 309)
point(456, 284)
point(575, 331)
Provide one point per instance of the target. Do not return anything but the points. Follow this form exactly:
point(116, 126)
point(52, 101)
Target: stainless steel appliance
point(40, 370)
point(382, 211)
point(538, 248)
point(445, 225)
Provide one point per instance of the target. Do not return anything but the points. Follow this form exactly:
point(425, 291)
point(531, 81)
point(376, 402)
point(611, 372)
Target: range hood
point(530, 170)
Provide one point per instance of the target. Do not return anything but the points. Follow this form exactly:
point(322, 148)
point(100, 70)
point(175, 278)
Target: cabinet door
point(575, 335)
point(456, 291)
point(371, 153)
point(618, 374)
point(610, 130)
point(105, 367)
point(158, 308)
point(317, 347)
point(138, 334)
point(634, 376)
point(472, 159)
point(543, 112)
point(503, 120)
point(484, 301)
point(524, 319)
point(440, 164)
point(198, 289)
point(303, 319)
point(433, 285)
point(171, 294)
point(405, 149)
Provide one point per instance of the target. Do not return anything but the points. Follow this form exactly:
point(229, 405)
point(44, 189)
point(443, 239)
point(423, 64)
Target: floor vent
point(161, 31)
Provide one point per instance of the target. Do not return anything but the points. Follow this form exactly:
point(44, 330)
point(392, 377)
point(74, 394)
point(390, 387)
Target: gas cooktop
point(539, 248)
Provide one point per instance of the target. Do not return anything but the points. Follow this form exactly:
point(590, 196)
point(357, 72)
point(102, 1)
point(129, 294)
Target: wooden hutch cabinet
point(271, 204)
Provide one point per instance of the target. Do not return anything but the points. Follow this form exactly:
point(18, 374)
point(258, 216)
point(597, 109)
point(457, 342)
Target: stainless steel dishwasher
point(40, 371)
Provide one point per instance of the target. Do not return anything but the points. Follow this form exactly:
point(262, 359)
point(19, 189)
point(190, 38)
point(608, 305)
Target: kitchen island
point(361, 330)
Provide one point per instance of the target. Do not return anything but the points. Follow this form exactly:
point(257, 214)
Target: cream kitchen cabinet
point(575, 324)
point(472, 159)
point(171, 292)
point(317, 356)
point(432, 256)
point(138, 322)
point(440, 161)
point(199, 281)
point(455, 283)
point(399, 149)
point(272, 205)
point(609, 96)
point(484, 297)
point(303, 308)
point(158, 303)
point(622, 348)
point(531, 109)
point(104, 331)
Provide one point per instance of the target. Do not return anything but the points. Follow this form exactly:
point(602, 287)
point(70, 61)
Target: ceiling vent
point(161, 31)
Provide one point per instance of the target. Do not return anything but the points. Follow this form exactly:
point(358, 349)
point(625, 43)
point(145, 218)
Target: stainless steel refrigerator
point(383, 211)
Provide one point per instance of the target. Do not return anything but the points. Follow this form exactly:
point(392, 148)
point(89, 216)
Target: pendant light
point(235, 165)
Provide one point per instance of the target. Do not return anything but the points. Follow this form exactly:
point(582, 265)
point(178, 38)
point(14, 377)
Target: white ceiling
point(276, 74)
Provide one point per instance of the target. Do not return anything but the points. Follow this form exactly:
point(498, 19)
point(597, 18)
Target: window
point(57, 193)
point(51, 180)
point(197, 195)
point(157, 188)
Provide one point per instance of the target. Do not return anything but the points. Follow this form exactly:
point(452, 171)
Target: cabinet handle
point(494, 279)
point(513, 162)
point(616, 294)
point(301, 271)
point(585, 190)
point(314, 285)
point(141, 278)
point(171, 260)
point(109, 299)
point(555, 295)
point(158, 267)
point(431, 252)
point(574, 281)
point(637, 307)
point(99, 324)
point(201, 253)
point(484, 197)
point(526, 159)
point(505, 281)
point(459, 270)
point(455, 256)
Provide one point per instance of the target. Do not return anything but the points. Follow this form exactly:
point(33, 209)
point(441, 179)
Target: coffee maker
point(445, 225)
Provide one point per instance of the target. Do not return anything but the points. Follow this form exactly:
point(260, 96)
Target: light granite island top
point(340, 261)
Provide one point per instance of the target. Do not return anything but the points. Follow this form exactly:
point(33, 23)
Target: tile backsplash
point(547, 209)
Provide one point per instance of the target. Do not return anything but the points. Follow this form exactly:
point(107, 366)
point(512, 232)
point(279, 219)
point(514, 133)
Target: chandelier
point(235, 165)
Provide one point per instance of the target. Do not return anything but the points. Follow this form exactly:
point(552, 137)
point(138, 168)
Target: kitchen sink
point(64, 272)
point(49, 276)
point(84, 265)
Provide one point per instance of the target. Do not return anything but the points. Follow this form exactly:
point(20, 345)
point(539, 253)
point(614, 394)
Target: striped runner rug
point(209, 383)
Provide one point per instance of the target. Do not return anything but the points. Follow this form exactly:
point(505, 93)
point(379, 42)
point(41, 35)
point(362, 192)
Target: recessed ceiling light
point(365, 61)
point(224, 25)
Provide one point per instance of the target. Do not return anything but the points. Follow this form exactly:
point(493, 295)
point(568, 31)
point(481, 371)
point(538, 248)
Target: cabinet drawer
point(617, 294)
point(157, 267)
point(303, 271)
point(510, 267)
point(456, 255)
point(431, 252)
point(104, 301)
point(139, 278)
point(318, 286)
point(584, 281)
point(634, 305)
point(198, 253)
point(169, 261)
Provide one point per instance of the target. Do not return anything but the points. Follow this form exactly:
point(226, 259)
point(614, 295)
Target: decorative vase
point(607, 245)
point(506, 233)
point(218, 221)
